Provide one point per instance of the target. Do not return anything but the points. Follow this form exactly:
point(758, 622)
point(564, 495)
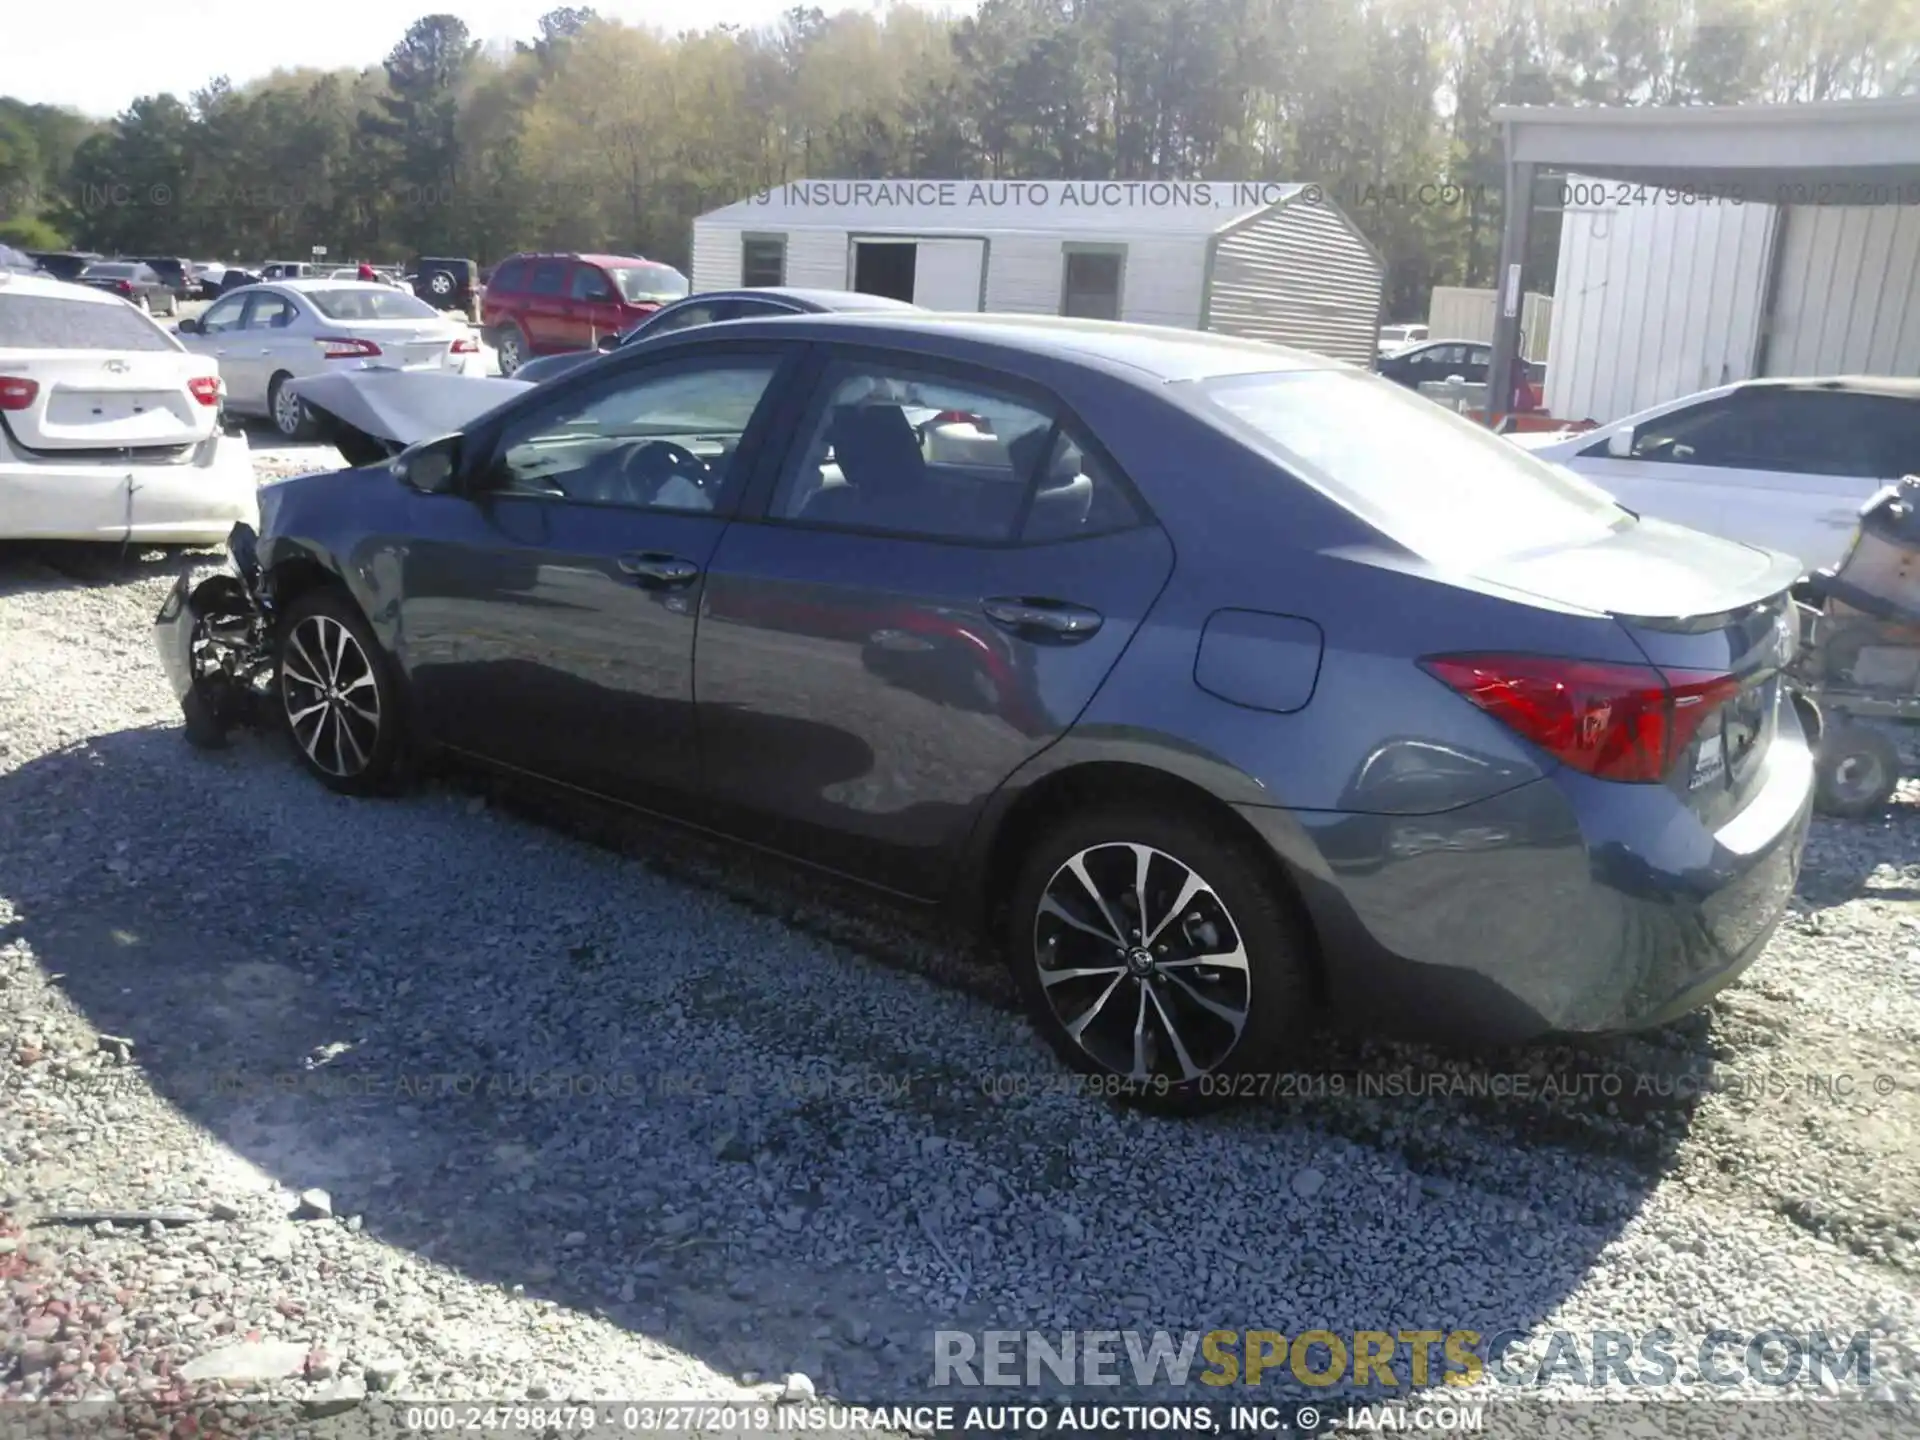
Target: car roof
point(1153, 351)
point(18, 283)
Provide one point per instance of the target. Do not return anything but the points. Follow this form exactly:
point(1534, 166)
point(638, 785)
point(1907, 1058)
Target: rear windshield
point(1442, 486)
point(111, 272)
point(370, 305)
point(648, 282)
point(42, 322)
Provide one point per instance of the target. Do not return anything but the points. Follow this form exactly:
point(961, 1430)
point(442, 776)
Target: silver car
point(265, 335)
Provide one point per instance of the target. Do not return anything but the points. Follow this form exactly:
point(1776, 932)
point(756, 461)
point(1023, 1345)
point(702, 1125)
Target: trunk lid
point(1713, 615)
point(89, 400)
point(411, 344)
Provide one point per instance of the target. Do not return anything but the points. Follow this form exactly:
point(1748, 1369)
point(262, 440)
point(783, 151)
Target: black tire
point(365, 759)
point(510, 349)
point(1212, 1063)
point(296, 426)
point(1857, 771)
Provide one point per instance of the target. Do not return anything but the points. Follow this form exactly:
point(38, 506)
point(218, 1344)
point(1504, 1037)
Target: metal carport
point(1843, 152)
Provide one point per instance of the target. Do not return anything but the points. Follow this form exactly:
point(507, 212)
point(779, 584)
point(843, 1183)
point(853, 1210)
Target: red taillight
point(333, 347)
point(1614, 722)
point(205, 389)
point(125, 287)
point(16, 392)
point(468, 346)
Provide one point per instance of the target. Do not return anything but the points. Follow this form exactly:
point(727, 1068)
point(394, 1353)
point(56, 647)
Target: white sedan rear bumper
point(195, 502)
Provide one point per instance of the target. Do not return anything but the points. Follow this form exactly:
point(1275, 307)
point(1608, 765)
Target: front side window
point(1444, 487)
point(590, 285)
point(223, 316)
point(913, 453)
point(270, 312)
point(680, 318)
point(649, 283)
point(662, 438)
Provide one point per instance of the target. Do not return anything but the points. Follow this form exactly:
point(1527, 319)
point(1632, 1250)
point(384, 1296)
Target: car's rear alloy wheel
point(1157, 955)
point(290, 415)
point(510, 350)
point(339, 703)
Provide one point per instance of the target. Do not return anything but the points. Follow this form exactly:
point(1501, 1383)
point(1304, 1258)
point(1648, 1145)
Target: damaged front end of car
point(216, 639)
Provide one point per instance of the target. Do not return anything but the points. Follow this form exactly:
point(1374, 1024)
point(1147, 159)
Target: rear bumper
point(1547, 910)
point(188, 504)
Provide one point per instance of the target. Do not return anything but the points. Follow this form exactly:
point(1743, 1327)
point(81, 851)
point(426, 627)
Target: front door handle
point(1053, 619)
point(652, 568)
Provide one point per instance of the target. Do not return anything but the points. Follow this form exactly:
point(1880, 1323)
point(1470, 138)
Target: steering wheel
point(650, 464)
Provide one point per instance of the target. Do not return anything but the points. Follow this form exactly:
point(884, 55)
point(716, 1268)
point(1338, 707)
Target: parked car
point(207, 275)
point(1291, 694)
point(289, 270)
point(177, 273)
point(109, 429)
point(64, 264)
point(134, 282)
point(445, 282)
point(1398, 337)
point(707, 308)
point(233, 277)
point(1435, 360)
point(1783, 463)
point(267, 334)
point(551, 304)
point(18, 261)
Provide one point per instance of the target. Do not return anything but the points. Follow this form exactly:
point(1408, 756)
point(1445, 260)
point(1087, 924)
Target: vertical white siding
point(1024, 274)
point(946, 274)
point(819, 260)
point(1849, 296)
point(1652, 301)
point(1164, 279)
point(716, 256)
point(1299, 275)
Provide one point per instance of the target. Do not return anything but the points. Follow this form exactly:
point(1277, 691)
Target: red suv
point(550, 304)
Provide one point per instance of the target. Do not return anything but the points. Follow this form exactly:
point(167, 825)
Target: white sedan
point(109, 429)
point(266, 335)
point(1784, 464)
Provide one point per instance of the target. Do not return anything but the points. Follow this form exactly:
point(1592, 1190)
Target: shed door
point(948, 273)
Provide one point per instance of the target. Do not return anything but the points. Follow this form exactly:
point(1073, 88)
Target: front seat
point(879, 457)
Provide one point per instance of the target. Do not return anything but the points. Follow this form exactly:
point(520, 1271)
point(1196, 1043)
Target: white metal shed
point(1263, 260)
point(1657, 300)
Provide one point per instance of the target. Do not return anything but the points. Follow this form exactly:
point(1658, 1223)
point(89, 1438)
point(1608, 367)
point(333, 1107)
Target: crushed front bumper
point(215, 636)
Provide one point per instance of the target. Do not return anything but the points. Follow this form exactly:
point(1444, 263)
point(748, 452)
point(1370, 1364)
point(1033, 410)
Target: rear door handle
point(652, 568)
point(1054, 619)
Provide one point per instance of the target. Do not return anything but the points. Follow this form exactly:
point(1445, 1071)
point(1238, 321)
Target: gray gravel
point(437, 1097)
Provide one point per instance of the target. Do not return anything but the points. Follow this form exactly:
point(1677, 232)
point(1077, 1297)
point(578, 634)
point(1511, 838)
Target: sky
point(45, 58)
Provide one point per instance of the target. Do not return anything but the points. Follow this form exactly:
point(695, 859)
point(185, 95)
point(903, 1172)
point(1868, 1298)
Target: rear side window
point(548, 277)
point(1444, 487)
point(41, 322)
point(510, 276)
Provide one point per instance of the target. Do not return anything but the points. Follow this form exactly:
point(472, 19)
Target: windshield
point(642, 283)
point(1444, 487)
point(370, 304)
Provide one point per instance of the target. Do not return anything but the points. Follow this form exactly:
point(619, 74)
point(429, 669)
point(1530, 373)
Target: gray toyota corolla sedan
point(1233, 688)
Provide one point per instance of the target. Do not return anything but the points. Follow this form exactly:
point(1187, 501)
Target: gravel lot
point(602, 1112)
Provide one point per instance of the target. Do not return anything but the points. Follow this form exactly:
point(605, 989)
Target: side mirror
point(432, 467)
point(610, 342)
point(188, 326)
point(1620, 444)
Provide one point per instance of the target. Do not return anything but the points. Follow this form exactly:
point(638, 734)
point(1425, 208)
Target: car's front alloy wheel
point(339, 703)
point(1159, 956)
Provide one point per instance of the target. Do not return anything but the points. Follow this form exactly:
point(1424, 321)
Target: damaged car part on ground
point(1483, 756)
